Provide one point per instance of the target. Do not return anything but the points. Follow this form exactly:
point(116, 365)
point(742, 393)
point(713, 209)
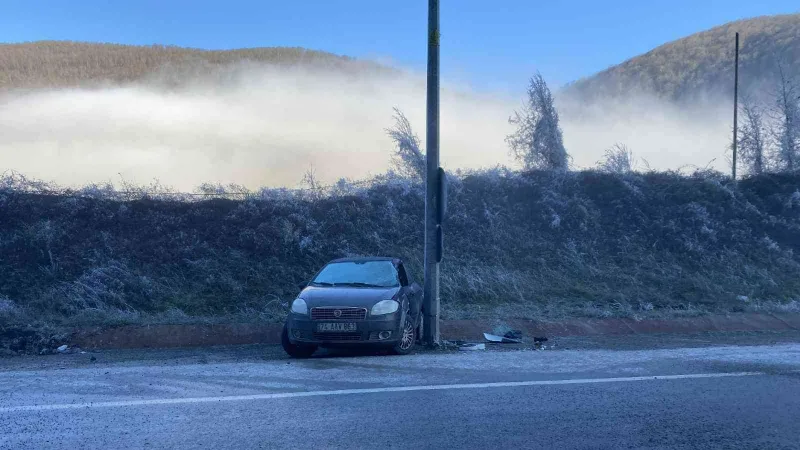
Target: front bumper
point(303, 330)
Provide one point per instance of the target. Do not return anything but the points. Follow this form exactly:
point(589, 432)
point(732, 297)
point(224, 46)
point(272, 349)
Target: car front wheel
point(295, 350)
point(408, 337)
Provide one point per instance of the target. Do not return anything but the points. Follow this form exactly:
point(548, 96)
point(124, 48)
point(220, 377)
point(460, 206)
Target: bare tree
point(408, 159)
point(538, 141)
point(314, 189)
point(752, 138)
point(787, 130)
point(617, 159)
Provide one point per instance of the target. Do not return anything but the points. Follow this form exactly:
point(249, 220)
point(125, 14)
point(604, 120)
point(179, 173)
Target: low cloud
point(666, 135)
point(266, 127)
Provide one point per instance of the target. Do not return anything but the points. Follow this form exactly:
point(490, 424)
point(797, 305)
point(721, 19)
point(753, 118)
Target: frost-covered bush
point(794, 199)
point(538, 141)
point(586, 242)
point(617, 159)
point(409, 158)
point(6, 306)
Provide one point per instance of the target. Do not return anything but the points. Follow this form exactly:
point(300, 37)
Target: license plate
point(338, 326)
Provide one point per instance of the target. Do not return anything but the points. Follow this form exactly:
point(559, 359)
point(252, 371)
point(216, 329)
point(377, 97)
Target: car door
point(410, 290)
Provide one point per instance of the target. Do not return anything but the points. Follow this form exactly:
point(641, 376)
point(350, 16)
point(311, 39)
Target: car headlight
point(299, 306)
point(385, 307)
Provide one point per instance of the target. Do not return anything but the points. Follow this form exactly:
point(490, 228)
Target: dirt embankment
point(17, 341)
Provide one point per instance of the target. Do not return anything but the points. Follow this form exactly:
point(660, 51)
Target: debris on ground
point(62, 349)
point(471, 347)
point(501, 339)
point(538, 343)
point(513, 334)
point(450, 345)
point(492, 337)
point(20, 341)
point(501, 329)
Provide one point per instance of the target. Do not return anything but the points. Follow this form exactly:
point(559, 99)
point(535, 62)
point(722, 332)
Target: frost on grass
point(532, 244)
point(6, 306)
point(794, 200)
point(770, 244)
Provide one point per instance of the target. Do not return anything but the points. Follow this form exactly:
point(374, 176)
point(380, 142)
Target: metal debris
point(501, 339)
point(513, 334)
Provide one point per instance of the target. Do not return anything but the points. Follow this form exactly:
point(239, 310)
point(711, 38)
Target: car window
point(359, 273)
point(403, 275)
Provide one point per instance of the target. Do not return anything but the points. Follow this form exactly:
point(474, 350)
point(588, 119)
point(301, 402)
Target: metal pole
point(735, 104)
point(431, 288)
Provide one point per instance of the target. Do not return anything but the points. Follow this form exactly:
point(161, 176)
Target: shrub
point(537, 243)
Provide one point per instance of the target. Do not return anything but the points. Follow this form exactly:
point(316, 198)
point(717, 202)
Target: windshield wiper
point(322, 283)
point(360, 284)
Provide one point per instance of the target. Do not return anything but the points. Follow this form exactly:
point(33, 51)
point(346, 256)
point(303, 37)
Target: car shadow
point(350, 352)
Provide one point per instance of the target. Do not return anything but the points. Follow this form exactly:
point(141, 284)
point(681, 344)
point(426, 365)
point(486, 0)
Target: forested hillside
point(71, 64)
point(701, 65)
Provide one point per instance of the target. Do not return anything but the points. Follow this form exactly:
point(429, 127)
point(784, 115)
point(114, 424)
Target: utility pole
point(433, 233)
point(735, 104)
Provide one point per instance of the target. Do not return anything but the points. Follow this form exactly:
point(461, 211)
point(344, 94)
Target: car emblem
point(337, 313)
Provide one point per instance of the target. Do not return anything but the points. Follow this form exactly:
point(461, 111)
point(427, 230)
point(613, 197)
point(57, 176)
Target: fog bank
point(264, 127)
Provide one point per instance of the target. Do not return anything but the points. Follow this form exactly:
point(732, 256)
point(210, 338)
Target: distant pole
point(431, 288)
point(735, 104)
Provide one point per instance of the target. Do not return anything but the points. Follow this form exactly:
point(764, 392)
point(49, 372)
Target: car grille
point(329, 313)
point(337, 336)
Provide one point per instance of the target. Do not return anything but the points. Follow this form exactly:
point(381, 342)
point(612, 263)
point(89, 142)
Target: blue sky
point(484, 44)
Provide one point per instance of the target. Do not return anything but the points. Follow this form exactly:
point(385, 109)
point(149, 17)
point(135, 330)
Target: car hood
point(346, 296)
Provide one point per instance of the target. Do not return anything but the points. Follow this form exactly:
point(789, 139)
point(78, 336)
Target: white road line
point(435, 387)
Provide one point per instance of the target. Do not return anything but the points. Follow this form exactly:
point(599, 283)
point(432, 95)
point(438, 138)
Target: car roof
point(366, 259)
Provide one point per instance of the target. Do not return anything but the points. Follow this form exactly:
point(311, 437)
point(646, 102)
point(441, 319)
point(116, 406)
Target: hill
point(72, 64)
point(527, 245)
point(701, 65)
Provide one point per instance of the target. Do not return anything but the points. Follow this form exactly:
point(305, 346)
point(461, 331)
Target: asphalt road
point(710, 397)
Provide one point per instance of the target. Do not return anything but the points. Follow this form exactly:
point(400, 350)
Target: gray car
point(355, 302)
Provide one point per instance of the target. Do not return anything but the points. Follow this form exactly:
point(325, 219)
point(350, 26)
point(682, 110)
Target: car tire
point(408, 338)
point(295, 350)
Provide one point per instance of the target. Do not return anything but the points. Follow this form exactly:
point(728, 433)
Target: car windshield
point(361, 273)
